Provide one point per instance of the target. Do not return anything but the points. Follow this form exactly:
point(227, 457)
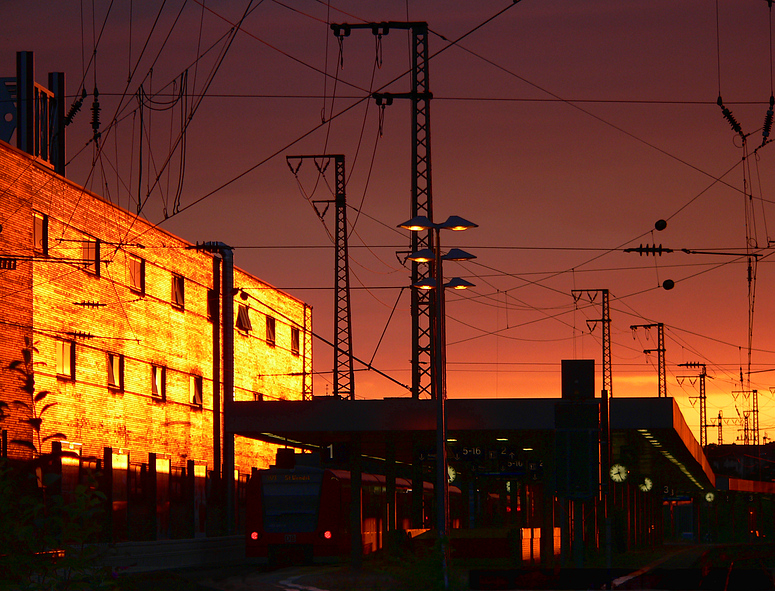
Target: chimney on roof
point(34, 112)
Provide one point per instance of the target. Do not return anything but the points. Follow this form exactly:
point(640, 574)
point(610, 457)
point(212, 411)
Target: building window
point(270, 334)
point(178, 292)
point(195, 390)
point(116, 371)
point(294, 340)
point(65, 362)
point(158, 382)
point(137, 274)
point(213, 305)
point(90, 254)
point(40, 233)
point(243, 318)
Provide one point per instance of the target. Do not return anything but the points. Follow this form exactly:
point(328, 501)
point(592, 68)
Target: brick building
point(121, 314)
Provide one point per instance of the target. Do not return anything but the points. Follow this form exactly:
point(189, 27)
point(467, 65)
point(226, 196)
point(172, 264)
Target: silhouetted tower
point(661, 371)
point(720, 429)
point(750, 418)
point(423, 308)
point(605, 320)
point(344, 374)
point(703, 402)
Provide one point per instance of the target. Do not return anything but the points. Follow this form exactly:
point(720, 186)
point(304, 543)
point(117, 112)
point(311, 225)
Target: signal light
point(327, 535)
point(254, 535)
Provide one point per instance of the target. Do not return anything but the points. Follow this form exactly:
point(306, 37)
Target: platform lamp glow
point(439, 378)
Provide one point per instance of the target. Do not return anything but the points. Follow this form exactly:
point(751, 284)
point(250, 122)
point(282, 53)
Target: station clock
point(618, 473)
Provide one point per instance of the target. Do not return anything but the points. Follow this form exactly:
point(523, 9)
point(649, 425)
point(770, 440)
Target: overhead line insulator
point(768, 121)
point(74, 108)
point(380, 29)
point(342, 30)
point(95, 114)
point(649, 250)
point(729, 117)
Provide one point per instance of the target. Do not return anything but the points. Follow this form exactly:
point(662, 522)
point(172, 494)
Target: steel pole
point(442, 486)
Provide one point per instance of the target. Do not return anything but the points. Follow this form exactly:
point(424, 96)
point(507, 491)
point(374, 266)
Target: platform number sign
point(335, 453)
point(472, 454)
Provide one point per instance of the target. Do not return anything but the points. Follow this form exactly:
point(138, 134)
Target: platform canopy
point(649, 435)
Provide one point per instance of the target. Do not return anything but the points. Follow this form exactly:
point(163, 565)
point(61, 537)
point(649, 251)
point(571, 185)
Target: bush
point(45, 539)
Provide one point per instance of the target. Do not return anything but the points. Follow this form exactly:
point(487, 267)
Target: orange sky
point(564, 129)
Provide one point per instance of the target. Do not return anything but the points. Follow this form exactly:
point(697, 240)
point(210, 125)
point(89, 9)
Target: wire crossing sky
point(565, 130)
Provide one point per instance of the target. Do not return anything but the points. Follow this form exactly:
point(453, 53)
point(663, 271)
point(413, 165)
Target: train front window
point(291, 501)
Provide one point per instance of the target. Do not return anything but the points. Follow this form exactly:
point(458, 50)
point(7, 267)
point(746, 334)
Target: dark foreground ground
point(685, 567)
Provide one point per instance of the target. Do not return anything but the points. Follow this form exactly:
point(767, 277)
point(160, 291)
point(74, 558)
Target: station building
point(123, 320)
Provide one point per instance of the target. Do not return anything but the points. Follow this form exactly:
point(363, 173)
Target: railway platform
point(679, 567)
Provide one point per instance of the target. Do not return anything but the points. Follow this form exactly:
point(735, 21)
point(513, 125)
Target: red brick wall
point(15, 285)
point(145, 328)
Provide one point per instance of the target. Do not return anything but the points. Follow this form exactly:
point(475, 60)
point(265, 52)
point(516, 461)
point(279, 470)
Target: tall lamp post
point(439, 377)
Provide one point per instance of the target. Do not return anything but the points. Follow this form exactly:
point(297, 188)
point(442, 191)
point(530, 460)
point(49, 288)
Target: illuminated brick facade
point(118, 310)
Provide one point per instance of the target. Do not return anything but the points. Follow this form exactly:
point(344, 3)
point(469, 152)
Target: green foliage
point(46, 539)
point(47, 535)
point(423, 571)
point(25, 367)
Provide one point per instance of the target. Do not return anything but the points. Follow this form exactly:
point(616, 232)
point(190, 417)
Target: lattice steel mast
point(423, 308)
point(344, 374)
point(605, 320)
point(661, 370)
point(703, 403)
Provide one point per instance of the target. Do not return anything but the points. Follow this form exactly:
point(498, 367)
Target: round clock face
point(646, 484)
point(618, 473)
point(709, 496)
point(451, 473)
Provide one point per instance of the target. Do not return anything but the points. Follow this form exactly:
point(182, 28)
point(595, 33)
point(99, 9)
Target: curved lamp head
point(421, 222)
point(455, 222)
point(426, 284)
point(422, 256)
point(455, 283)
point(458, 283)
point(417, 224)
point(455, 254)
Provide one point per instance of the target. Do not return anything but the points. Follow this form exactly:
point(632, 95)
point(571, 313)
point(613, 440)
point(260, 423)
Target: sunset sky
point(564, 128)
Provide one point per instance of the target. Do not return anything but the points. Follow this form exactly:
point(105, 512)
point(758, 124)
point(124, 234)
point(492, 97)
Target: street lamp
point(439, 377)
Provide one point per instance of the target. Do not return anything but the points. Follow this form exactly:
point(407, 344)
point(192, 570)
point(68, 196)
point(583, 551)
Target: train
point(301, 514)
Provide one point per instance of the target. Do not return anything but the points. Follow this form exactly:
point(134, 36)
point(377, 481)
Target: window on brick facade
point(270, 331)
point(90, 254)
point(65, 359)
point(243, 318)
point(213, 305)
point(40, 233)
point(195, 390)
point(158, 382)
point(294, 340)
point(116, 371)
point(137, 274)
point(178, 290)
